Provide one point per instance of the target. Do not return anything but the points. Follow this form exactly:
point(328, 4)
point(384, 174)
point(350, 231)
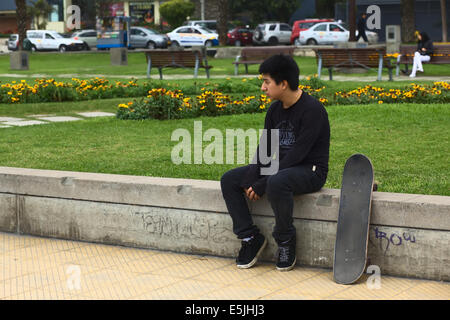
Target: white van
point(52, 40)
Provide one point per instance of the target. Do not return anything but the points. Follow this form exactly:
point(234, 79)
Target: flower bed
point(162, 100)
point(167, 104)
point(173, 104)
point(438, 93)
point(50, 90)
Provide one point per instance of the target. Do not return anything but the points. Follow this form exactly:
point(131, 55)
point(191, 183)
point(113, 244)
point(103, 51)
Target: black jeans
point(363, 34)
point(280, 189)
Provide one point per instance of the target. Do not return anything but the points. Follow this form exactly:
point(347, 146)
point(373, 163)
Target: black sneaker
point(250, 251)
point(286, 258)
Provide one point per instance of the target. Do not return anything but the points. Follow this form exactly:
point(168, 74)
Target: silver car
point(89, 37)
point(272, 33)
point(146, 38)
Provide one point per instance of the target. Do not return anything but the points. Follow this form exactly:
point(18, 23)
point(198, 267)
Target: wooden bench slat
point(352, 57)
point(256, 55)
point(176, 59)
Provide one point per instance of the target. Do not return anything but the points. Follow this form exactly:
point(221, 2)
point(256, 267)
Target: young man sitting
point(302, 155)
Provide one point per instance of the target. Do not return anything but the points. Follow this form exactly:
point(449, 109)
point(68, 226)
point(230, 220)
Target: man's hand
point(251, 194)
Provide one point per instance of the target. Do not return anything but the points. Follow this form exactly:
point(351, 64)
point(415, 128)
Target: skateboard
point(352, 235)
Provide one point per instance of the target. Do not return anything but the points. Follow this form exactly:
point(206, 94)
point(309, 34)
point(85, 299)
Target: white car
point(330, 33)
point(52, 40)
point(209, 24)
point(188, 36)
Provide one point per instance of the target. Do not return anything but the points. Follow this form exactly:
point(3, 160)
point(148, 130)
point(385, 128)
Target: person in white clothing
point(423, 53)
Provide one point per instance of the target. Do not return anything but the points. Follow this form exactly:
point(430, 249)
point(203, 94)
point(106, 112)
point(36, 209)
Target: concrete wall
point(409, 233)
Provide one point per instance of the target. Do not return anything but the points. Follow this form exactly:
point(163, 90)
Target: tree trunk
point(352, 20)
point(222, 21)
point(21, 15)
point(444, 20)
point(408, 20)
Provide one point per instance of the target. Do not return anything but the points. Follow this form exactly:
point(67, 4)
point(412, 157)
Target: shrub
point(176, 11)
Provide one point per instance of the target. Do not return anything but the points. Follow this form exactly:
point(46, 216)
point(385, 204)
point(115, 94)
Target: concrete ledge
point(409, 234)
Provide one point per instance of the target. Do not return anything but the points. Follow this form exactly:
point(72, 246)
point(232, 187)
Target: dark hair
point(281, 67)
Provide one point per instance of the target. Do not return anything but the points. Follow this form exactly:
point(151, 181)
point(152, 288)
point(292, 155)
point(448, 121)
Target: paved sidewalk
point(7, 122)
point(41, 268)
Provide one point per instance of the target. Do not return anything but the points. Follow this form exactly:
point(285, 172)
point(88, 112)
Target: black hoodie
point(425, 43)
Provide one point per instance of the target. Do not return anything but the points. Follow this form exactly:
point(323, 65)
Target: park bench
point(441, 55)
point(353, 58)
point(176, 59)
point(256, 55)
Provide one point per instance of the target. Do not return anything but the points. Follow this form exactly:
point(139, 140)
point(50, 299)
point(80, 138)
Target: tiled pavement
point(6, 122)
point(53, 269)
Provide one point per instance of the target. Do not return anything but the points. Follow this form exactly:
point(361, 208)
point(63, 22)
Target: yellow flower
point(380, 101)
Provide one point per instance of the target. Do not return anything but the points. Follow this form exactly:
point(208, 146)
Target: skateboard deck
point(352, 235)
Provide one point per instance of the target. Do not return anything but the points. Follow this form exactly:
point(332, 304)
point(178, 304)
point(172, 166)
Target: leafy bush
point(176, 11)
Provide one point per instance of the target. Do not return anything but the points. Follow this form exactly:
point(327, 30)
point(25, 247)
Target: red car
point(301, 25)
point(240, 36)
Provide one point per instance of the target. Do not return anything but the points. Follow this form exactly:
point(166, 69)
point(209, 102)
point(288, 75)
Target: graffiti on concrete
point(192, 226)
point(386, 239)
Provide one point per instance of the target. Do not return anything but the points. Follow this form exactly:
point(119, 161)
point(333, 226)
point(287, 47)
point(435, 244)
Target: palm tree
point(408, 20)
point(444, 21)
point(222, 21)
point(40, 8)
point(21, 16)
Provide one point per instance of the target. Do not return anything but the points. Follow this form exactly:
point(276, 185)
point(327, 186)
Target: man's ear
point(284, 84)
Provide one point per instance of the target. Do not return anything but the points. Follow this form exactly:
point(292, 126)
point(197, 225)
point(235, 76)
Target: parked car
point(13, 42)
point(52, 40)
point(302, 25)
point(89, 37)
point(272, 33)
point(187, 36)
point(240, 36)
point(209, 24)
point(141, 37)
point(330, 33)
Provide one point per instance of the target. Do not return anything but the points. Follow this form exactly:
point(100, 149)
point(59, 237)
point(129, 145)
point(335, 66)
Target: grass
point(68, 63)
point(407, 143)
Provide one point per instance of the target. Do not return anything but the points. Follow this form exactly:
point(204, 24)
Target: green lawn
point(55, 64)
point(407, 143)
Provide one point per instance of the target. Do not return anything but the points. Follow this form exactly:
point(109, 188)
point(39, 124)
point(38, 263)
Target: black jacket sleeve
point(253, 173)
